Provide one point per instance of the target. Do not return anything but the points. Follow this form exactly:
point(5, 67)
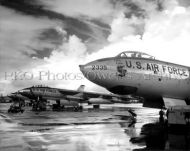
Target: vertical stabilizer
point(81, 88)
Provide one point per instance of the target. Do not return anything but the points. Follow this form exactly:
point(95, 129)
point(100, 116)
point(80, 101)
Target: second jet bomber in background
point(68, 98)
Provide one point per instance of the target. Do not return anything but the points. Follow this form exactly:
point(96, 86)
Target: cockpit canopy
point(134, 54)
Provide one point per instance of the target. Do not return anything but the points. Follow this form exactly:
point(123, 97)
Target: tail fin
point(81, 88)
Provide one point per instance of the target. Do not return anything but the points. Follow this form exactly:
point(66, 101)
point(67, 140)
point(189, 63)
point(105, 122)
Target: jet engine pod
point(123, 90)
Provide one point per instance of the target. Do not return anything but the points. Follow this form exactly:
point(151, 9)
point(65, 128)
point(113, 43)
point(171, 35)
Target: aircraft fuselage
point(141, 76)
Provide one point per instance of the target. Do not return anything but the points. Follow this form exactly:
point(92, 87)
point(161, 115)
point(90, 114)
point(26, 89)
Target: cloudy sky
point(44, 41)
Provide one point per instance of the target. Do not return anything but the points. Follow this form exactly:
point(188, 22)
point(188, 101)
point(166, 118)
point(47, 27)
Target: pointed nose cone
point(24, 92)
point(93, 71)
point(101, 71)
point(81, 67)
point(14, 93)
point(85, 68)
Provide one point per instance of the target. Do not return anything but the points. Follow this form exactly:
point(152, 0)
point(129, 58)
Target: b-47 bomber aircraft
point(64, 97)
point(160, 83)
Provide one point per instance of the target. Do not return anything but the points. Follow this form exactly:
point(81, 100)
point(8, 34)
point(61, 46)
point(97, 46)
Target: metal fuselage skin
point(46, 93)
point(140, 76)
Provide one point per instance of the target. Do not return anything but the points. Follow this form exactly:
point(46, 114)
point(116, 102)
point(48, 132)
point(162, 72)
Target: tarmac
point(110, 128)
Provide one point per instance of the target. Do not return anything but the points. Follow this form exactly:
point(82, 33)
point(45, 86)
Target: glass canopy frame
point(135, 54)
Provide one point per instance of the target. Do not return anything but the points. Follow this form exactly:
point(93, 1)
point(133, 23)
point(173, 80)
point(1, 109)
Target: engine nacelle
point(68, 103)
point(99, 101)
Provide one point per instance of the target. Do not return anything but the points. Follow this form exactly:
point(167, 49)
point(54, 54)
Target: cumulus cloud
point(122, 27)
point(63, 65)
point(165, 34)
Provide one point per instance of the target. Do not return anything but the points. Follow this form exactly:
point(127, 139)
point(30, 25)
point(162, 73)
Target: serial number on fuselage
point(99, 67)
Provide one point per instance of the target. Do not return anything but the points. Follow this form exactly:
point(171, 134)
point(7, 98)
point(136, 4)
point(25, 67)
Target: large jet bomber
point(39, 95)
point(160, 83)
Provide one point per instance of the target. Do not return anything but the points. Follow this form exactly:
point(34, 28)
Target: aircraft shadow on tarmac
point(157, 137)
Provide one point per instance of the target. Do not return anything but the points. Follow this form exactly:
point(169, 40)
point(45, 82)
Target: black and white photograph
point(94, 75)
